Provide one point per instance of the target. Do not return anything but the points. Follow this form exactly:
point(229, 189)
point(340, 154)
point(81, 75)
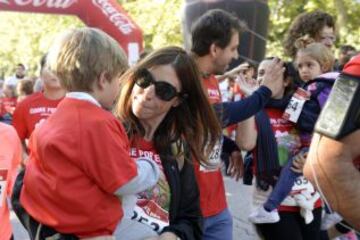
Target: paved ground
point(239, 202)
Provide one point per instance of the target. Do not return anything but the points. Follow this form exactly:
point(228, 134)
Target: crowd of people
point(97, 149)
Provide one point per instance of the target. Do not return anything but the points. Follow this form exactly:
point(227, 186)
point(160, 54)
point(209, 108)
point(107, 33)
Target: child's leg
point(282, 188)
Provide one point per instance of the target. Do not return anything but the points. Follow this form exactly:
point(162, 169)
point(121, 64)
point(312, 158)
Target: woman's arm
point(246, 134)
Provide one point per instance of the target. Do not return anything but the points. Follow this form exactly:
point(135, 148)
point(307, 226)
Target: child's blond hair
point(79, 56)
point(317, 51)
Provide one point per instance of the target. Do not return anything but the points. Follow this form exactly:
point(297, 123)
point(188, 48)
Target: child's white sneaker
point(263, 216)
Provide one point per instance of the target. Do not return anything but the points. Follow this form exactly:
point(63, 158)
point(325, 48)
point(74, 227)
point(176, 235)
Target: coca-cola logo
point(38, 3)
point(120, 20)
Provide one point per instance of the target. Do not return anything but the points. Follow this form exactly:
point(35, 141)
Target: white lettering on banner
point(38, 3)
point(120, 20)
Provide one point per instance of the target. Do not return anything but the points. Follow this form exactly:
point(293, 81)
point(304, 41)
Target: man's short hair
point(215, 26)
point(346, 48)
point(79, 56)
point(21, 65)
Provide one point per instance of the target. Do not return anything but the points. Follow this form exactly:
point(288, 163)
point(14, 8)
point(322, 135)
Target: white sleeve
point(148, 175)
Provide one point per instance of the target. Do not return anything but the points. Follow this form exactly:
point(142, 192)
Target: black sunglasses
point(163, 90)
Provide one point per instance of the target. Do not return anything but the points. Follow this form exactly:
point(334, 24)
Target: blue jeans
point(218, 227)
point(282, 187)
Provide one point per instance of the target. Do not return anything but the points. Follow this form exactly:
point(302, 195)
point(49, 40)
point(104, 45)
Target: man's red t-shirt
point(78, 158)
point(210, 181)
point(30, 112)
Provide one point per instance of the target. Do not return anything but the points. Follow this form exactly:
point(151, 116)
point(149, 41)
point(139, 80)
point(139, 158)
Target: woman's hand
point(236, 165)
point(299, 162)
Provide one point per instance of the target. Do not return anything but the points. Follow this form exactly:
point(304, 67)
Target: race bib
point(214, 159)
point(301, 186)
point(149, 213)
point(3, 183)
point(296, 104)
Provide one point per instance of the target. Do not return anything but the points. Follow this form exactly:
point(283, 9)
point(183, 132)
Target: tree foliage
point(25, 37)
point(160, 20)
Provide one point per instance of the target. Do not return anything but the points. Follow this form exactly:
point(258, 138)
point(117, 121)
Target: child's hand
point(299, 162)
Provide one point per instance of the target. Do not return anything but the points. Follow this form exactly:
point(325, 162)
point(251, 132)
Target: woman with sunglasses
point(169, 119)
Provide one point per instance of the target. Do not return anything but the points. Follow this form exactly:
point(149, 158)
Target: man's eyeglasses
point(163, 90)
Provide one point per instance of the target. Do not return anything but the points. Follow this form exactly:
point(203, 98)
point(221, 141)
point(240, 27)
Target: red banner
point(103, 14)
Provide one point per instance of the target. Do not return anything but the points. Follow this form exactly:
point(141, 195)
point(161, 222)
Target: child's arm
point(148, 175)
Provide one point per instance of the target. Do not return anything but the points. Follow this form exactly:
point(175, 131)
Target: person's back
point(29, 112)
point(68, 145)
point(10, 158)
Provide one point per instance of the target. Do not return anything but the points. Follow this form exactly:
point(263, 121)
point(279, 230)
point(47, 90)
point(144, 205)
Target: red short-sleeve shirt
point(78, 158)
point(30, 111)
point(211, 183)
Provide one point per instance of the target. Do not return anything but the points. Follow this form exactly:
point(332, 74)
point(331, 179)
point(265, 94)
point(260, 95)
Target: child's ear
point(102, 80)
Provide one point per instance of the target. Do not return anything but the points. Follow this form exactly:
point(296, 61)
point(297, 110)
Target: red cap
point(353, 66)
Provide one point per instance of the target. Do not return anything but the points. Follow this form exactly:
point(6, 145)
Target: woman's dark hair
point(288, 76)
point(306, 24)
point(193, 120)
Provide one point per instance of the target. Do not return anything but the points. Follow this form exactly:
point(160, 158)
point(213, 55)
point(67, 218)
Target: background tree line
point(25, 37)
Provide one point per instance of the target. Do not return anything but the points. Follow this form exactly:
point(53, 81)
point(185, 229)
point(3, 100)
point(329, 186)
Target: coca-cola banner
point(107, 15)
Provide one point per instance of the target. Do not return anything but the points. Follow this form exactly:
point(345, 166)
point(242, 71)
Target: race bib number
point(152, 215)
point(214, 159)
point(3, 183)
point(296, 104)
point(301, 186)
